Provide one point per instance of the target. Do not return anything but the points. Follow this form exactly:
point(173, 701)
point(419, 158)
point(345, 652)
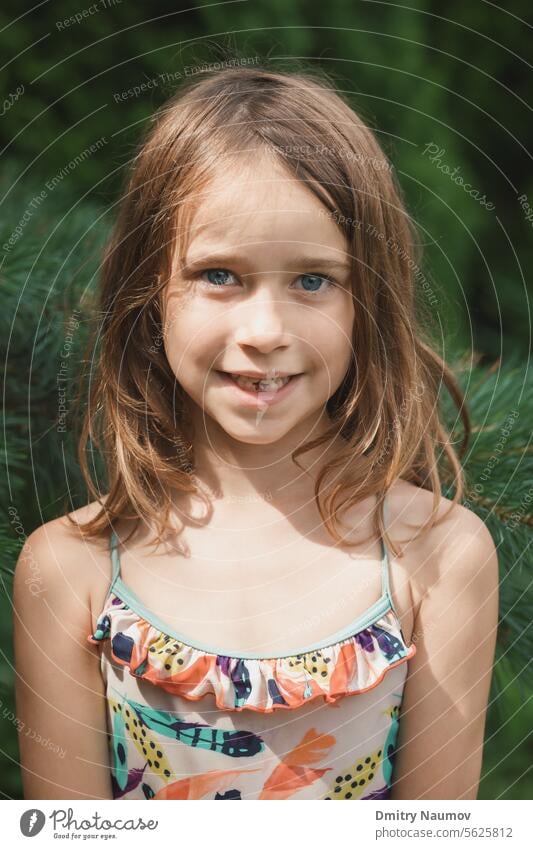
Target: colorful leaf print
point(313, 748)
point(123, 646)
point(143, 739)
point(364, 639)
point(274, 693)
point(352, 781)
point(240, 676)
point(168, 654)
point(119, 746)
point(285, 780)
point(235, 744)
point(148, 792)
point(390, 744)
point(103, 628)
point(390, 645)
point(293, 773)
point(315, 663)
point(197, 786)
point(135, 776)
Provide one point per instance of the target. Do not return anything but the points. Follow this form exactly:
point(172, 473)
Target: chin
point(262, 433)
point(256, 437)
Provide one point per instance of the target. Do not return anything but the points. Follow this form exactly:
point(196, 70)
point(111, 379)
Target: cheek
point(333, 341)
point(190, 341)
point(175, 338)
point(180, 339)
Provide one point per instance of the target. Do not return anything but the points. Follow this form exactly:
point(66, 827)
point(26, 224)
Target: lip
point(258, 375)
point(250, 398)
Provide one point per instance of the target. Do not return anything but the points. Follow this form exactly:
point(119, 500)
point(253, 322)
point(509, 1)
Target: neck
point(260, 471)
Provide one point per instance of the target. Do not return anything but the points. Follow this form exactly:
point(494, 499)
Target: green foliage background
point(453, 75)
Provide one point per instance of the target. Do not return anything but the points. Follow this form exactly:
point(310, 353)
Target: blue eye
point(218, 273)
point(317, 279)
point(218, 277)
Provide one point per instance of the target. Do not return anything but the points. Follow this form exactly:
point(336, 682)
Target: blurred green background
point(444, 85)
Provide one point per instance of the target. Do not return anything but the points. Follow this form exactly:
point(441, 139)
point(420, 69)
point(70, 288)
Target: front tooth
point(268, 384)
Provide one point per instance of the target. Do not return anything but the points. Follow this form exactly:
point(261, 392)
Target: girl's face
point(265, 288)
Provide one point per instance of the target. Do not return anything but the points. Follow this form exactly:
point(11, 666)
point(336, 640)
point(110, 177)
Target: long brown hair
point(386, 408)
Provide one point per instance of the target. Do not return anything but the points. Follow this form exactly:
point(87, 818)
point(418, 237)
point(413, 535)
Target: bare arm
point(59, 689)
point(440, 742)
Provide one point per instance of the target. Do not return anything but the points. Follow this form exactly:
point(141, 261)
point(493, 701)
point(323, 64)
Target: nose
point(260, 322)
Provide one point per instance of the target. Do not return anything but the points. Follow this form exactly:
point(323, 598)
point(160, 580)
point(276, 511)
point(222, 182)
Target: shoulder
point(454, 565)
point(59, 685)
point(60, 565)
point(59, 543)
point(457, 548)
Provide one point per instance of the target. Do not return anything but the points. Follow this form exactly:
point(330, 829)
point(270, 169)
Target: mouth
point(266, 390)
point(270, 383)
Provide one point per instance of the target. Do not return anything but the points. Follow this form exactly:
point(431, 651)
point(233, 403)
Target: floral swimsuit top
point(188, 722)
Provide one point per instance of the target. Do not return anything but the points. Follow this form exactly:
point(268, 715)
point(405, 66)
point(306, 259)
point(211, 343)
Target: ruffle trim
point(353, 665)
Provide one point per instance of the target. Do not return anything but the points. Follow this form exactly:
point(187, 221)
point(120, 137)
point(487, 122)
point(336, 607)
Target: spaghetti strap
point(115, 559)
point(385, 586)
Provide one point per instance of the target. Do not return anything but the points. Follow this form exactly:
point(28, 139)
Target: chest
point(263, 593)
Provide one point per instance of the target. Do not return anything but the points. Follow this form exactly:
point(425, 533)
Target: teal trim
point(384, 570)
point(370, 616)
point(115, 560)
point(385, 567)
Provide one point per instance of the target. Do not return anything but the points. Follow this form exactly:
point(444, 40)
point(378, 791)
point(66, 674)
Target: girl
point(271, 599)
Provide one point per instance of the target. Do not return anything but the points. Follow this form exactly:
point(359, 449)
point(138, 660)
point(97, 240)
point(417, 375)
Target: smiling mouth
point(250, 384)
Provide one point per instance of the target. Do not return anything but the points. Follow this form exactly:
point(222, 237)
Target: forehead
point(258, 202)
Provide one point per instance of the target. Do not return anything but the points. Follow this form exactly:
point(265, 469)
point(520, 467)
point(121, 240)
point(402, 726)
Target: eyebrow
point(300, 261)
